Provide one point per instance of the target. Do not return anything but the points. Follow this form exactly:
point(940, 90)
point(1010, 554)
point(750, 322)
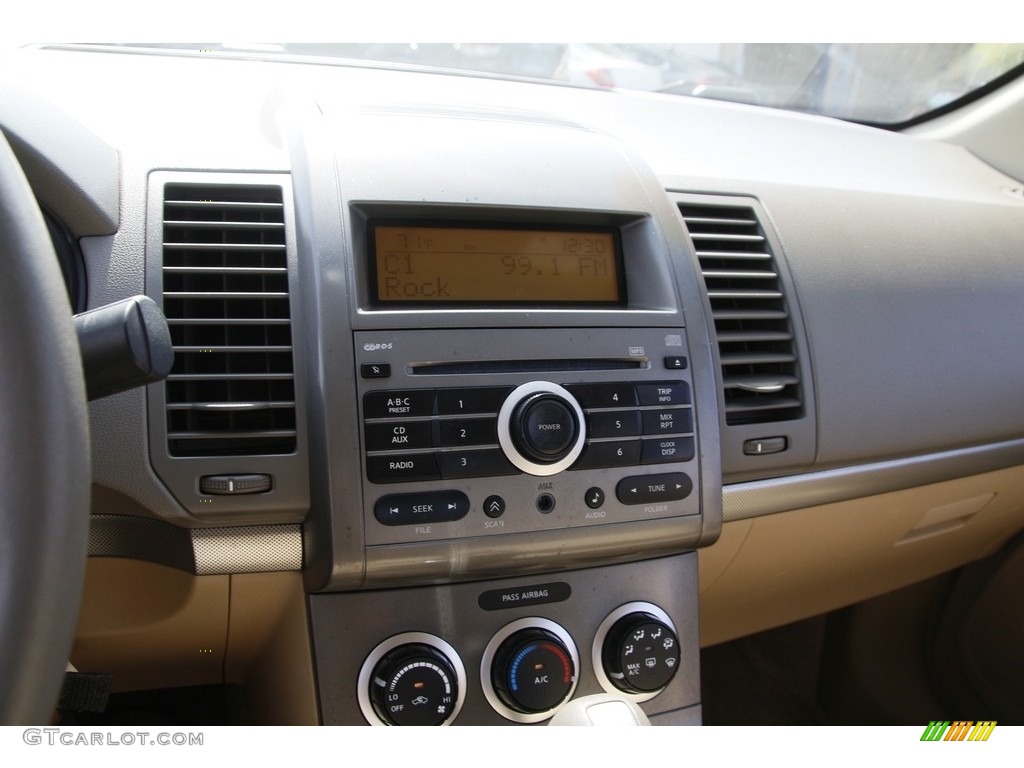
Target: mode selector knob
point(640, 653)
point(541, 428)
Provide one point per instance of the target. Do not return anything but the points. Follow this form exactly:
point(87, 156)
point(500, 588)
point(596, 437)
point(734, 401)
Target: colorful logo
point(961, 730)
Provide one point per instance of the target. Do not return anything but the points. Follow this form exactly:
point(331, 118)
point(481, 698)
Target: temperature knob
point(533, 671)
point(414, 684)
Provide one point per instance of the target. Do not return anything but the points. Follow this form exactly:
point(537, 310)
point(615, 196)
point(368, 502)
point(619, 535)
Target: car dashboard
point(489, 394)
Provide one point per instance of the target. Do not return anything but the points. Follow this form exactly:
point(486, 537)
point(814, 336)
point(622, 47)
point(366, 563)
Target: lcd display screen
point(496, 266)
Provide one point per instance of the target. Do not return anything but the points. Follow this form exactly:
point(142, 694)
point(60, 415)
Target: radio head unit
point(513, 347)
point(485, 433)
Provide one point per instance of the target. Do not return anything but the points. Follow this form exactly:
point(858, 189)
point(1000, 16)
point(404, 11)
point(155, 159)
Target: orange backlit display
point(438, 265)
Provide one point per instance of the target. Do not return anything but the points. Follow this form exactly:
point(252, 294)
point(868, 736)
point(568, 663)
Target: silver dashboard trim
point(199, 551)
point(743, 501)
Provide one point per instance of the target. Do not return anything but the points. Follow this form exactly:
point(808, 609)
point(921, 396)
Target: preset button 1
point(456, 402)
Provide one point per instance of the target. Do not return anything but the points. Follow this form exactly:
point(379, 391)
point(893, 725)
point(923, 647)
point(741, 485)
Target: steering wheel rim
point(44, 459)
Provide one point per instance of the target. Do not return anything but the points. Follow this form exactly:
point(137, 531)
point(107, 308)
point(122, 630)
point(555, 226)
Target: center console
point(514, 442)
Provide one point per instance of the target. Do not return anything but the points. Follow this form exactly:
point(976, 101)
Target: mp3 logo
point(961, 730)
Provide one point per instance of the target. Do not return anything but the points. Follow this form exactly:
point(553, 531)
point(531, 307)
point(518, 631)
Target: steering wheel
point(44, 460)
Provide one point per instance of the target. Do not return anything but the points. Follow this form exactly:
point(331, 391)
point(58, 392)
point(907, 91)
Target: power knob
point(541, 428)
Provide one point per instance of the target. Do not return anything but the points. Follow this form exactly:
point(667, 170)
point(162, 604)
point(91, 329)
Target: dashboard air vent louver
point(752, 322)
point(225, 283)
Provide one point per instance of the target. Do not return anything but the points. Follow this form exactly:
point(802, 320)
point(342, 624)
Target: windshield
point(878, 83)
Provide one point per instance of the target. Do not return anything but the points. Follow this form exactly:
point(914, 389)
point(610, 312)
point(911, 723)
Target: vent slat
point(228, 349)
point(223, 204)
point(230, 377)
point(223, 295)
point(748, 306)
point(744, 295)
point(756, 358)
point(223, 225)
point(230, 406)
point(737, 274)
point(239, 435)
point(741, 337)
point(721, 315)
point(228, 271)
point(188, 321)
point(237, 247)
point(731, 255)
point(759, 383)
point(766, 404)
point(232, 389)
point(692, 220)
point(732, 238)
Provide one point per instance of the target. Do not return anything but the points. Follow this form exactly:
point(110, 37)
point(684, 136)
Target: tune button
point(654, 489)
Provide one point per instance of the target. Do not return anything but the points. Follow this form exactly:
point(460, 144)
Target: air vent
point(755, 339)
point(225, 282)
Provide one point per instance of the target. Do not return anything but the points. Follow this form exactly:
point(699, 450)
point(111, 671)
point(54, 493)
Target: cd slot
point(527, 366)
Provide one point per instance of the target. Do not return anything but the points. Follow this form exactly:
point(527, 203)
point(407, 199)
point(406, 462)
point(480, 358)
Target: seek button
point(421, 508)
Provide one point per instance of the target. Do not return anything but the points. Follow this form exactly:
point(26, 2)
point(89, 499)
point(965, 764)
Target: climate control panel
point(511, 651)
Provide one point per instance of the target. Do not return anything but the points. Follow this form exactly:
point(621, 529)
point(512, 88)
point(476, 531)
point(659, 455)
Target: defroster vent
point(225, 283)
point(760, 373)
